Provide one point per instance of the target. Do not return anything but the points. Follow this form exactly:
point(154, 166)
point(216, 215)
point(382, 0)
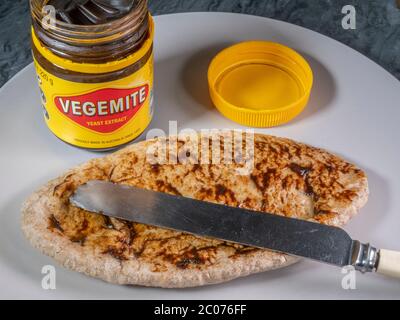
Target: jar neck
point(92, 43)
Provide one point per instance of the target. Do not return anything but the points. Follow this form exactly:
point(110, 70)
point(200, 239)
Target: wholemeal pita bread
point(288, 178)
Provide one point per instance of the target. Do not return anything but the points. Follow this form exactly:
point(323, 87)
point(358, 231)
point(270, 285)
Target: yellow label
point(97, 115)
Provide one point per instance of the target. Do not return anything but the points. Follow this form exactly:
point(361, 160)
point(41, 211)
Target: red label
point(104, 110)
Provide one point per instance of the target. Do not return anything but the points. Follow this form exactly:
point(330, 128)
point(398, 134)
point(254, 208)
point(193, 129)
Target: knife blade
point(296, 237)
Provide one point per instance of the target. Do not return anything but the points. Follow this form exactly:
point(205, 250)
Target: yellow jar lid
point(259, 83)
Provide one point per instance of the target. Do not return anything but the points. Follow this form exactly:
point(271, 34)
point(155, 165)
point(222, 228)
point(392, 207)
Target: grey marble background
point(377, 33)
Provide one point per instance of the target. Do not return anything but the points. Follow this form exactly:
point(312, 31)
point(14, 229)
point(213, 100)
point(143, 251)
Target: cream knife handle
point(366, 258)
point(389, 263)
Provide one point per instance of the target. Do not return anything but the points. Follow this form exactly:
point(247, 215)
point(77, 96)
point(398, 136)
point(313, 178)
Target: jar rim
point(96, 68)
point(93, 30)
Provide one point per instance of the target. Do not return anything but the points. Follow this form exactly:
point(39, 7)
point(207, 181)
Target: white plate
point(354, 112)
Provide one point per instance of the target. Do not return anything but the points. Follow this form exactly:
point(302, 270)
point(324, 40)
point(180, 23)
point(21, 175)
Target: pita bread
point(288, 178)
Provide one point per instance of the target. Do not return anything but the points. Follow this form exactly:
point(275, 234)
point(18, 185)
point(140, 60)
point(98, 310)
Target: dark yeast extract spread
point(94, 62)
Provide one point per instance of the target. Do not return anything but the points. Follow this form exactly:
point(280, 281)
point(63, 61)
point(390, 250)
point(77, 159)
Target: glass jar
point(96, 80)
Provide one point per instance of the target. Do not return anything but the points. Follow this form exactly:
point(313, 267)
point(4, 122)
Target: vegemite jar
point(94, 63)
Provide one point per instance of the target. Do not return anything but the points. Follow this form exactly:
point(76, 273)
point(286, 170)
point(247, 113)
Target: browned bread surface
point(288, 178)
